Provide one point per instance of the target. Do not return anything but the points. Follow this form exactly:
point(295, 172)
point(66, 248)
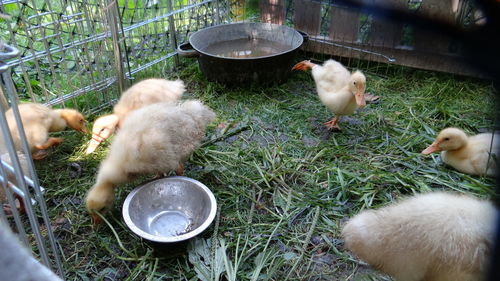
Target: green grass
point(284, 184)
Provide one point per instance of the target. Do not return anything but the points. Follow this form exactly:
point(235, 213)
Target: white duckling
point(154, 139)
point(468, 154)
point(435, 237)
point(142, 93)
point(38, 120)
point(339, 90)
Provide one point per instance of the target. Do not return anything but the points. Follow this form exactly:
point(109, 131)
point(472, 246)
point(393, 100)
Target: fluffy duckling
point(143, 93)
point(38, 120)
point(155, 139)
point(23, 162)
point(435, 237)
point(467, 154)
point(339, 90)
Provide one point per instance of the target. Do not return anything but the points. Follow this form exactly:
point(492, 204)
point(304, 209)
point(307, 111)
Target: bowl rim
point(193, 36)
point(185, 236)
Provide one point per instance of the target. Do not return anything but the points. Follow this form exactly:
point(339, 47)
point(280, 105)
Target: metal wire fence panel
point(71, 48)
point(19, 186)
point(153, 28)
point(78, 54)
point(66, 50)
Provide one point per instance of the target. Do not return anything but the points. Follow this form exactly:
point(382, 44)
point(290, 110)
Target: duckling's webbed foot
point(180, 170)
point(42, 153)
point(8, 209)
point(39, 155)
point(50, 142)
point(21, 208)
point(96, 220)
point(303, 65)
point(159, 176)
point(332, 124)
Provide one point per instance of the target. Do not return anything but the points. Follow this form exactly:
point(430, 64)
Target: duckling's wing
point(332, 76)
point(485, 155)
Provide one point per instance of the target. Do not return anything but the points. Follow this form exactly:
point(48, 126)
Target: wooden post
point(307, 16)
point(272, 11)
point(344, 24)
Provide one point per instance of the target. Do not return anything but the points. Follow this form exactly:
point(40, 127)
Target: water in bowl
point(170, 223)
point(246, 48)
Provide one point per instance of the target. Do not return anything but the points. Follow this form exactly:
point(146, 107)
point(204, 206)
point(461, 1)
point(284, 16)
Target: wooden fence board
point(344, 24)
point(430, 51)
point(440, 9)
point(407, 57)
point(307, 16)
point(385, 32)
point(272, 11)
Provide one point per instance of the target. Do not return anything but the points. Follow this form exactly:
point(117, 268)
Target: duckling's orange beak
point(434, 147)
point(83, 129)
point(303, 65)
point(360, 99)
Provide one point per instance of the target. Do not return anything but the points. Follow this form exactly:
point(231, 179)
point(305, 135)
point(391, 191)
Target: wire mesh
point(153, 29)
point(66, 50)
point(78, 54)
point(349, 30)
point(18, 179)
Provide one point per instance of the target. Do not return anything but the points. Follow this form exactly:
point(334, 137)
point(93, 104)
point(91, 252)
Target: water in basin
point(170, 223)
point(246, 48)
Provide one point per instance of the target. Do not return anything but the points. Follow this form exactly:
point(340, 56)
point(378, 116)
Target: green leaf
point(9, 8)
point(199, 256)
point(70, 65)
point(34, 83)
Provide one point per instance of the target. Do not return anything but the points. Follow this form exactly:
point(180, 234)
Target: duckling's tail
point(200, 112)
point(175, 89)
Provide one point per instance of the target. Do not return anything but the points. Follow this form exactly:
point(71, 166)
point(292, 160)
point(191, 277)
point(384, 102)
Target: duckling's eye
point(102, 130)
point(446, 139)
point(354, 82)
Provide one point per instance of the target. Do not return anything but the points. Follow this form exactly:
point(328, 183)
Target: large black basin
point(243, 54)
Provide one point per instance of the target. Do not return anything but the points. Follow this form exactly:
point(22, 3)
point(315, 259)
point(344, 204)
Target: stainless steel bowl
point(169, 209)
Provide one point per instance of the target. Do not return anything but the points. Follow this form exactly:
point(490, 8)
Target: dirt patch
point(319, 128)
point(310, 142)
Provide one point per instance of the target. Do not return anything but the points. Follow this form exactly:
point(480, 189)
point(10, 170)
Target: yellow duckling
point(157, 139)
point(339, 90)
point(38, 120)
point(142, 93)
point(467, 154)
point(434, 236)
